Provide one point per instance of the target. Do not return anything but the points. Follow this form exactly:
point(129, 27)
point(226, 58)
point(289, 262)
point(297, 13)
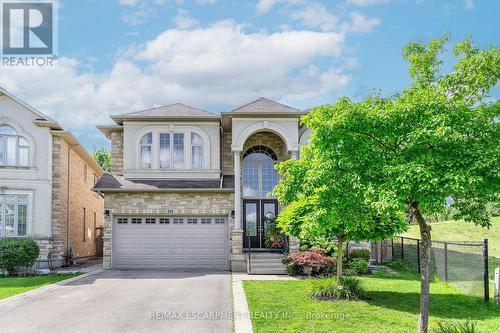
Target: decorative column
point(238, 259)
point(237, 191)
point(294, 154)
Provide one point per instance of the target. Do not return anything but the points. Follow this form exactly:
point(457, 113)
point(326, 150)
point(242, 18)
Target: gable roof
point(264, 105)
point(172, 111)
point(42, 119)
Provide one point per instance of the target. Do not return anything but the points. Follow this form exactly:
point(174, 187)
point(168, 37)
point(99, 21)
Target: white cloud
point(140, 16)
point(469, 4)
point(360, 23)
point(365, 3)
point(218, 65)
point(316, 16)
point(128, 2)
point(263, 6)
point(183, 21)
point(205, 2)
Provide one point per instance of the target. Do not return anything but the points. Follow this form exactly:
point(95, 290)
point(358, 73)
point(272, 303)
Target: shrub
point(327, 289)
point(358, 266)
point(274, 238)
point(17, 253)
point(466, 327)
point(292, 269)
point(361, 254)
point(327, 246)
point(316, 260)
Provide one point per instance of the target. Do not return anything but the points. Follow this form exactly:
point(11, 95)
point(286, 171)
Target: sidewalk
point(83, 266)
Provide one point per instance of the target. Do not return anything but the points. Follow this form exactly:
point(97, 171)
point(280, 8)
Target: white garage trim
point(170, 242)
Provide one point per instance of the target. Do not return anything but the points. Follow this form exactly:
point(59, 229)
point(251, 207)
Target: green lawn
point(459, 231)
point(284, 306)
point(10, 286)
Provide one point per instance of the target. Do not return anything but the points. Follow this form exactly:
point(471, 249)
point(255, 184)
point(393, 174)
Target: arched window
point(259, 175)
point(14, 149)
point(196, 151)
point(146, 149)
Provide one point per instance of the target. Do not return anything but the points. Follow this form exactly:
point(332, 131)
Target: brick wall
point(117, 152)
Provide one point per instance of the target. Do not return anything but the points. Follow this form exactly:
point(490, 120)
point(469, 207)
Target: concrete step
point(259, 270)
point(266, 255)
point(267, 260)
point(267, 264)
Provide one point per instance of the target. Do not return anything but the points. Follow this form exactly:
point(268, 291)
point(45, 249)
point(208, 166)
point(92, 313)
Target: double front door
point(258, 216)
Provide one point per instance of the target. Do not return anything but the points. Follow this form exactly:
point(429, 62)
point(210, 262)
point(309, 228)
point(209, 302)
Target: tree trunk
point(425, 254)
point(340, 254)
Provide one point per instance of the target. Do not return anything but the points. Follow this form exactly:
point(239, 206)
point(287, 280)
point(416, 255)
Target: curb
point(242, 322)
point(48, 287)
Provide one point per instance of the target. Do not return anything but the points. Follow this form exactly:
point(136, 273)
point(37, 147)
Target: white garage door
point(171, 242)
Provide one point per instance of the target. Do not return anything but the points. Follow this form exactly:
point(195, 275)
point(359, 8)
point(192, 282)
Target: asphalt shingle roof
point(119, 183)
point(265, 106)
point(172, 111)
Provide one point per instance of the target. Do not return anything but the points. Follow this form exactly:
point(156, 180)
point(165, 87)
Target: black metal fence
point(463, 264)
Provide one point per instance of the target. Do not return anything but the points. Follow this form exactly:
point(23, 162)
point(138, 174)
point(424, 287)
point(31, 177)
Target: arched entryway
point(259, 205)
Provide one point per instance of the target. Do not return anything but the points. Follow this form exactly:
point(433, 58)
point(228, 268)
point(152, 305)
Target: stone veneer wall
point(117, 151)
point(56, 242)
point(270, 140)
point(227, 154)
point(209, 203)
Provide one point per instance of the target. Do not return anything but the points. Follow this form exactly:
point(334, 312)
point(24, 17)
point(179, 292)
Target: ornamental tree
point(324, 200)
point(436, 140)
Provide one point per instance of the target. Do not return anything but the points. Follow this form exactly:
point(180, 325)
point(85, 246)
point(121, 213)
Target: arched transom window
point(164, 149)
point(14, 149)
point(259, 175)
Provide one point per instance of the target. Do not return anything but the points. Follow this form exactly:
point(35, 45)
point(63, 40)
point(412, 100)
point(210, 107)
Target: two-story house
point(46, 181)
point(192, 189)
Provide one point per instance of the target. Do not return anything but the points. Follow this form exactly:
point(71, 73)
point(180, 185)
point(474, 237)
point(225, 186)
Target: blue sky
point(118, 56)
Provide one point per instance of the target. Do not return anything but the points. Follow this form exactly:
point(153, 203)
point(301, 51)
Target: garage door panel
point(171, 245)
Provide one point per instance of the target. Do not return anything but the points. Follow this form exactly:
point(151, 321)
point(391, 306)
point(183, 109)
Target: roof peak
point(272, 107)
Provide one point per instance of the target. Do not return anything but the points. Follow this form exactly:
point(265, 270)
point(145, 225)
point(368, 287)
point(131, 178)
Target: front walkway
point(126, 301)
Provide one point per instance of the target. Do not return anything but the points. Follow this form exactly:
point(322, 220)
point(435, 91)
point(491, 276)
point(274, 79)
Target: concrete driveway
point(126, 301)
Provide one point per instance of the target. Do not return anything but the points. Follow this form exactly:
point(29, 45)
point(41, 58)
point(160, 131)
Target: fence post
point(497, 286)
point(486, 281)
point(446, 261)
point(392, 248)
point(418, 256)
point(402, 249)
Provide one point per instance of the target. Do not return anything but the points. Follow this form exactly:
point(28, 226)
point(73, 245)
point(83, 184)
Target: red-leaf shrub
point(315, 259)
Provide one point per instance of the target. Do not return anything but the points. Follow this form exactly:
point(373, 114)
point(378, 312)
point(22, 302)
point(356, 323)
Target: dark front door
point(258, 215)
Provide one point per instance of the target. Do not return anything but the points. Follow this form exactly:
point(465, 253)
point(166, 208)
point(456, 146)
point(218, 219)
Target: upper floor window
point(172, 149)
point(259, 175)
point(196, 151)
point(146, 148)
point(14, 149)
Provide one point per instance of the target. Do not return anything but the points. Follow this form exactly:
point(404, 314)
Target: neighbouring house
point(46, 181)
point(192, 189)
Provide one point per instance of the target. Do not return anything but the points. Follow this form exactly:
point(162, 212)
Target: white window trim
point(29, 213)
point(155, 150)
point(20, 133)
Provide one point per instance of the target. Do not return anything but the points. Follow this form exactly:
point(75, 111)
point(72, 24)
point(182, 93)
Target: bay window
point(174, 149)
point(13, 215)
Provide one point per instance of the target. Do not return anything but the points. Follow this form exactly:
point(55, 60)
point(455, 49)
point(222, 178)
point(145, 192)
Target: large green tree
point(434, 140)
